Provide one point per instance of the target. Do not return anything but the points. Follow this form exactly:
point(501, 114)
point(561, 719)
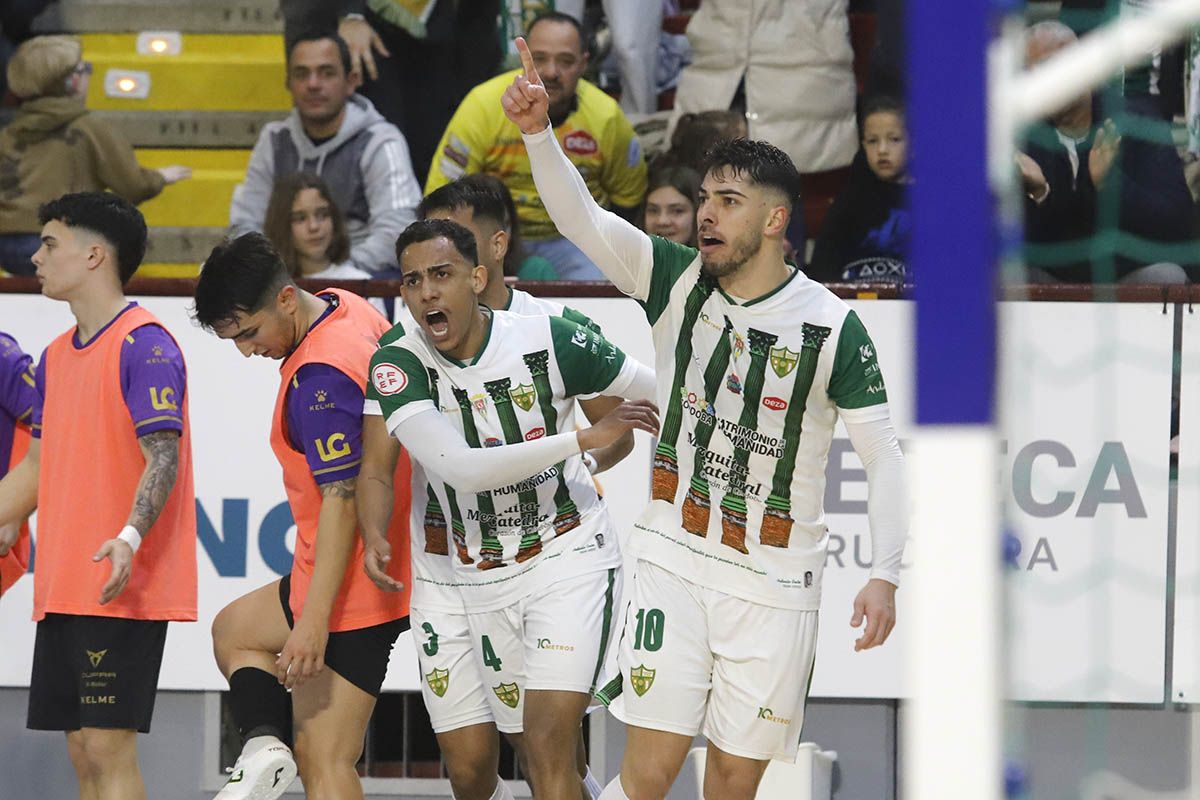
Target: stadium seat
point(809, 778)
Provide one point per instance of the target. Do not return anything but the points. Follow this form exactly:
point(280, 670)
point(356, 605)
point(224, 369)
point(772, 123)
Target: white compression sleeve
point(620, 250)
point(440, 448)
point(887, 493)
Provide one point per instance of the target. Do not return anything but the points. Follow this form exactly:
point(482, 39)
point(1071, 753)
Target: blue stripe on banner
point(953, 243)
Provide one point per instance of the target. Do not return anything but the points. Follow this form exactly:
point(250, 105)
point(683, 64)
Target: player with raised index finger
point(755, 363)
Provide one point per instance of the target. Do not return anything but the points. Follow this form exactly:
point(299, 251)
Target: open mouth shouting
point(437, 324)
point(709, 242)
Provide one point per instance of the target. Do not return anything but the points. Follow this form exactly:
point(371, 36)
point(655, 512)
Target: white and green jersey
point(434, 585)
point(512, 540)
point(750, 392)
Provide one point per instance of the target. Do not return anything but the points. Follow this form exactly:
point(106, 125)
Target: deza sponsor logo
point(580, 143)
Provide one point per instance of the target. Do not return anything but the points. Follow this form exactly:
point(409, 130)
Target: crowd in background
point(393, 101)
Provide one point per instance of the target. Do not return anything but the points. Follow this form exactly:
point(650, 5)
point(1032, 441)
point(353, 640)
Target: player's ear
point(499, 244)
point(479, 278)
point(288, 299)
point(777, 221)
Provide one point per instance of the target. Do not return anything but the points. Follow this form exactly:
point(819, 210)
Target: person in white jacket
point(338, 135)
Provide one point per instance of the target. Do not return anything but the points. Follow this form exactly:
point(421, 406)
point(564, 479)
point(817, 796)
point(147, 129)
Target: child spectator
point(865, 237)
point(309, 232)
point(670, 209)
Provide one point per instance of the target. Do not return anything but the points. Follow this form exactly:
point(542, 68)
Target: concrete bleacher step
point(187, 16)
point(201, 201)
point(212, 72)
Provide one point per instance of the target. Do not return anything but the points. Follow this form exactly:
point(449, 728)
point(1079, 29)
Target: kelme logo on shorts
point(641, 678)
point(439, 681)
point(769, 716)
point(508, 693)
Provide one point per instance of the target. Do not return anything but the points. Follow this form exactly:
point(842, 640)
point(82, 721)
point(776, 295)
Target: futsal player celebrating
point(18, 396)
point(110, 472)
point(453, 686)
point(485, 403)
point(326, 612)
point(756, 363)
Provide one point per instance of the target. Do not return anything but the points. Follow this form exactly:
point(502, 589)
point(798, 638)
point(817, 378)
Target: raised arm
point(620, 250)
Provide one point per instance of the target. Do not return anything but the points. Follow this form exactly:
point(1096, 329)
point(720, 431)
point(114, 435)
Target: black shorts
point(360, 656)
point(95, 672)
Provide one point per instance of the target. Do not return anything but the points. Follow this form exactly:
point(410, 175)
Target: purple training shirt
point(18, 395)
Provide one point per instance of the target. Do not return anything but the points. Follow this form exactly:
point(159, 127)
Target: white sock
point(256, 743)
point(614, 791)
point(502, 791)
point(592, 785)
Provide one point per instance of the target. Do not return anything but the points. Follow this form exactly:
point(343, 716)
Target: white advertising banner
point(1085, 415)
point(1087, 402)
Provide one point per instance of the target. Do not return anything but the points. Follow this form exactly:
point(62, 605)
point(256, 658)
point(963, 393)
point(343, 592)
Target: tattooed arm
point(304, 654)
point(161, 451)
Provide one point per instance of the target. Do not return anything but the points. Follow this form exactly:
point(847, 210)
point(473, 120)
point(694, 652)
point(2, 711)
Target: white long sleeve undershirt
point(619, 249)
point(887, 493)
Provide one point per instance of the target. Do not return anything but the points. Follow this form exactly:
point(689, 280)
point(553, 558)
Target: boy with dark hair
point(325, 612)
point(100, 637)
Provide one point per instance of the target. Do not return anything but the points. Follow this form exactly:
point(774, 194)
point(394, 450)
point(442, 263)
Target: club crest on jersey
point(439, 681)
point(479, 403)
point(388, 379)
point(783, 361)
point(523, 395)
point(641, 678)
point(509, 694)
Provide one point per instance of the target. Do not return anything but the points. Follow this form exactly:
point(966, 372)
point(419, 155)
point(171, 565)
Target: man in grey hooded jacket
point(339, 136)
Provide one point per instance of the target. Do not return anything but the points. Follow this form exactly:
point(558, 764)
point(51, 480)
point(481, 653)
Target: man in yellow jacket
point(593, 132)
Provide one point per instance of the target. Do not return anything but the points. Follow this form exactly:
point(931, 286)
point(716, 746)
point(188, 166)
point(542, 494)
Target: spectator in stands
point(339, 136)
point(670, 209)
point(796, 65)
point(54, 146)
point(419, 58)
point(308, 231)
point(696, 132)
point(1083, 178)
point(483, 205)
point(594, 133)
point(865, 237)
point(16, 23)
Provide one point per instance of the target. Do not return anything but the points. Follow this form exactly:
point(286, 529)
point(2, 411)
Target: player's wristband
point(589, 461)
point(130, 536)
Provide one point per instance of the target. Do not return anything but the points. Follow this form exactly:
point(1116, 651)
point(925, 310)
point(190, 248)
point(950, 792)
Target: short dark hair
point(557, 16)
point(879, 104)
point(762, 162)
point(107, 215)
point(240, 275)
point(316, 35)
point(488, 197)
point(424, 230)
